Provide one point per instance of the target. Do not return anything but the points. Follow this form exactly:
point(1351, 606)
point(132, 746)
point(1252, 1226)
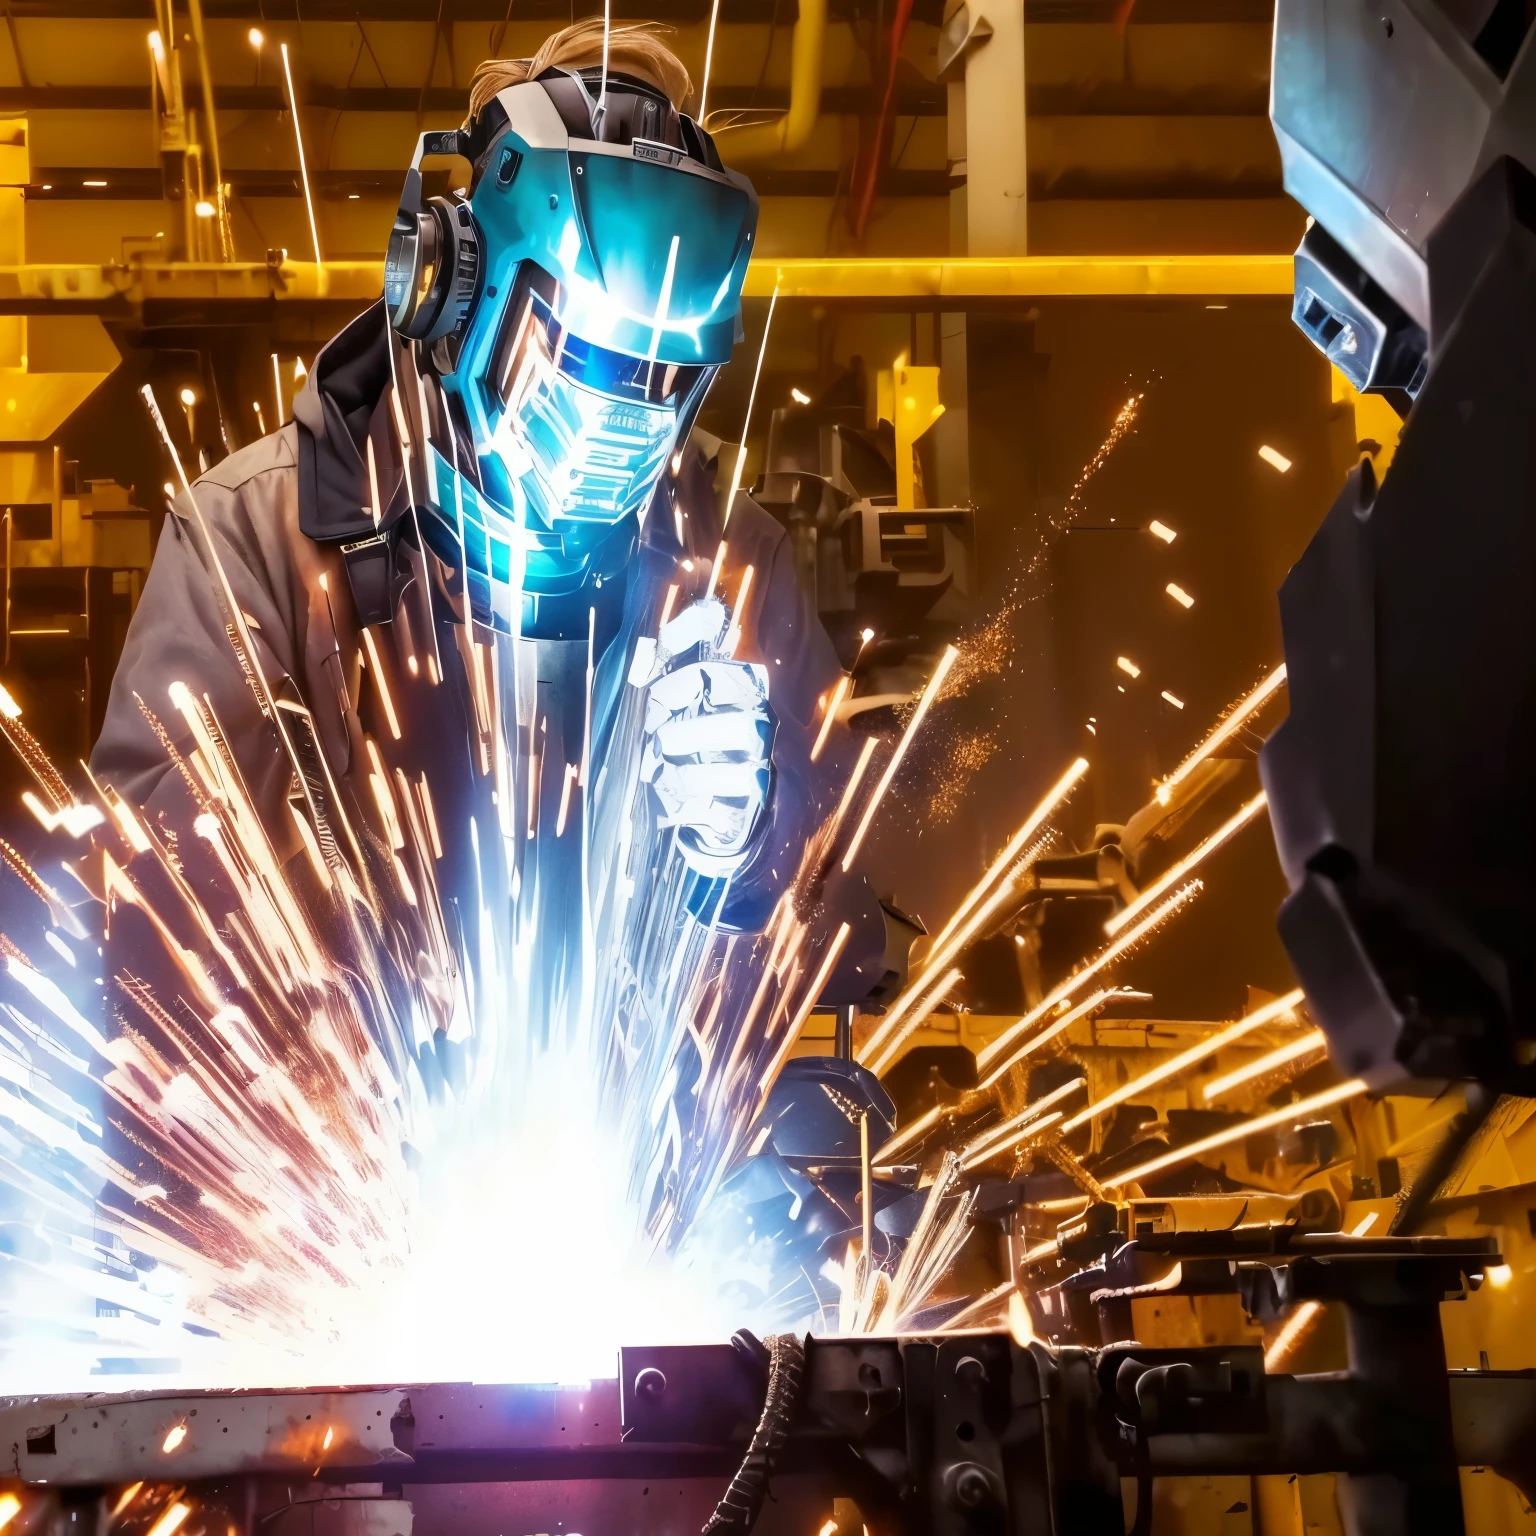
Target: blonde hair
point(632, 50)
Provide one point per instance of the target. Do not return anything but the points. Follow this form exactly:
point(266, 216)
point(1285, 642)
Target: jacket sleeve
point(180, 633)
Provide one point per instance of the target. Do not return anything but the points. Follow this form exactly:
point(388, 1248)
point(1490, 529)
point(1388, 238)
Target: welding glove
point(708, 739)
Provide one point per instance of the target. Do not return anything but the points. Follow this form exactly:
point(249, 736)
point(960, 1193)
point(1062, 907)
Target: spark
point(174, 1436)
point(946, 661)
point(1127, 666)
point(10, 1507)
point(1066, 1021)
point(1173, 699)
point(983, 1305)
point(1025, 1123)
point(1123, 423)
point(171, 1521)
point(1274, 458)
point(1303, 1045)
point(1235, 719)
point(746, 427)
point(937, 995)
point(1340, 1093)
point(839, 693)
point(309, 202)
point(381, 683)
point(968, 753)
point(966, 919)
point(1161, 531)
point(1179, 595)
point(330, 1435)
point(1303, 1317)
point(126, 1497)
point(1074, 983)
point(1280, 1008)
point(984, 653)
point(799, 396)
point(1190, 862)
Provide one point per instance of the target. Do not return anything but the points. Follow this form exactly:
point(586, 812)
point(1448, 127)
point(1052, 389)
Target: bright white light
point(188, 395)
point(1161, 531)
point(170, 491)
point(866, 635)
point(1176, 702)
point(1274, 457)
point(800, 397)
point(157, 46)
point(204, 209)
point(255, 38)
point(1127, 666)
point(1179, 595)
point(1499, 1275)
point(174, 1437)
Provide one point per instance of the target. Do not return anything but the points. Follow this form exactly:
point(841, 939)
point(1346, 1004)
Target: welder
point(484, 573)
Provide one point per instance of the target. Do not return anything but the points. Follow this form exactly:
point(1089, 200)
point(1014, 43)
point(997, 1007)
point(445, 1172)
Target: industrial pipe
point(762, 141)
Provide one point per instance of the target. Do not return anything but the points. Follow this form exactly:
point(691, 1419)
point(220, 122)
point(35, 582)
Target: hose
point(737, 1511)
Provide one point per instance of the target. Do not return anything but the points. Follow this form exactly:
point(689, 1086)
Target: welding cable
point(737, 1512)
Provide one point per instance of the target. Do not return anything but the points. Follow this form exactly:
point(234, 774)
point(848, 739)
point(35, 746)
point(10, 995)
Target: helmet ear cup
point(432, 270)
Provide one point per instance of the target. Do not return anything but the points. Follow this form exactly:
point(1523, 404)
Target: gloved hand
point(708, 739)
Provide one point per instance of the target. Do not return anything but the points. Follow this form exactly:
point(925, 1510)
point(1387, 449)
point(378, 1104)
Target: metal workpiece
point(104, 1438)
point(957, 1433)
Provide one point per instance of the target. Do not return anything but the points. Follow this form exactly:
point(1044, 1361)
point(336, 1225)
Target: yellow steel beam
point(1020, 277)
point(35, 287)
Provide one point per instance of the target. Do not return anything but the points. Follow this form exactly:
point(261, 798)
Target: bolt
point(973, 1488)
point(971, 1371)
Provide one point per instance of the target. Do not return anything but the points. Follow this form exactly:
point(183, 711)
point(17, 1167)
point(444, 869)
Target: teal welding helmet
point(574, 308)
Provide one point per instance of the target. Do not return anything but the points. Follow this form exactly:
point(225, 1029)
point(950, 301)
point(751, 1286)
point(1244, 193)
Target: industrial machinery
point(975, 1432)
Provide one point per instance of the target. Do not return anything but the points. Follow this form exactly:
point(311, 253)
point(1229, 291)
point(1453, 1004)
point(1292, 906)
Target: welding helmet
point(1385, 116)
point(574, 307)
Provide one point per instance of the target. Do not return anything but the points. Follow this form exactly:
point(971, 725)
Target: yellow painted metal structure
point(751, 142)
point(39, 287)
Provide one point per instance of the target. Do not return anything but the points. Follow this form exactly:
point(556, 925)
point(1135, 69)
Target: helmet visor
point(581, 431)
